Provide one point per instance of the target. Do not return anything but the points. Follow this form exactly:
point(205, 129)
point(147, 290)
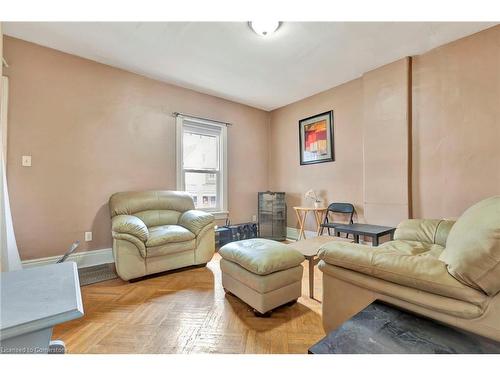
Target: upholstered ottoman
point(263, 273)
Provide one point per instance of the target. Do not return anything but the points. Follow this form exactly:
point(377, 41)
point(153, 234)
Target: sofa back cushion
point(472, 252)
point(152, 207)
point(421, 230)
point(442, 231)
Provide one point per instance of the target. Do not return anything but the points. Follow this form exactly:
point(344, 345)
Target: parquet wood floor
point(187, 312)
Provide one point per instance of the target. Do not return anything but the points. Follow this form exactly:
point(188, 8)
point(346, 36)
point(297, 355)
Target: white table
point(33, 301)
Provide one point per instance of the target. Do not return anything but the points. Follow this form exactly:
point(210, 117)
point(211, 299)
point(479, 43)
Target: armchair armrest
point(196, 220)
point(422, 230)
point(128, 224)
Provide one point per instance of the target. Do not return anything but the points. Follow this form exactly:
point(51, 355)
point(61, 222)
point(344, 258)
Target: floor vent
point(96, 274)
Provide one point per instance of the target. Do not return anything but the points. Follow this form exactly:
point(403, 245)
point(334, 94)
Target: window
point(201, 163)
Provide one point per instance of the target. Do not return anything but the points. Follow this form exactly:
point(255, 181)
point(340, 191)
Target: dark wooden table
point(383, 329)
point(368, 230)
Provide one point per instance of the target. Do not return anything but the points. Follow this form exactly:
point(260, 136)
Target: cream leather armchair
point(156, 231)
point(448, 271)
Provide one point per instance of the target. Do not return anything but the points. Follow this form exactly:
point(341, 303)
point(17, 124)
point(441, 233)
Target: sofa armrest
point(333, 251)
point(421, 230)
point(128, 224)
point(195, 220)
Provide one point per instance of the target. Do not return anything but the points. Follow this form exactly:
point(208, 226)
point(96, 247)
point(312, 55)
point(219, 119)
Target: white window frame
point(181, 121)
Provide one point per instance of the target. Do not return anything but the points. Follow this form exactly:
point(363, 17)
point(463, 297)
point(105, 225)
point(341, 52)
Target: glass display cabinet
point(272, 215)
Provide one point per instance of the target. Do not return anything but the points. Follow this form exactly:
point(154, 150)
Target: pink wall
point(385, 143)
point(341, 180)
point(93, 130)
point(456, 125)
point(370, 167)
point(455, 153)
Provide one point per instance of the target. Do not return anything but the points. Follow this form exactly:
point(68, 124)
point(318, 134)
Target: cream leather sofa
point(156, 231)
point(448, 271)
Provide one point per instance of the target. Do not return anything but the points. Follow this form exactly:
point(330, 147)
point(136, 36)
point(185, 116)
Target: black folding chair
point(339, 208)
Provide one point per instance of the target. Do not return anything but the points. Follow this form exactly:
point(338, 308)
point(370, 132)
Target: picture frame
point(316, 139)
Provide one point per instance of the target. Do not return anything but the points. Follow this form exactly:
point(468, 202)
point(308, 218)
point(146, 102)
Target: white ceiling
point(228, 60)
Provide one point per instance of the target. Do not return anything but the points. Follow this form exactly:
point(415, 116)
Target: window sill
point(220, 215)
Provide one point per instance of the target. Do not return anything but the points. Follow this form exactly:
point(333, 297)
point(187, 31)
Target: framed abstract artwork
point(316, 139)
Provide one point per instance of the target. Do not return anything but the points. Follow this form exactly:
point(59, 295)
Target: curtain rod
point(175, 114)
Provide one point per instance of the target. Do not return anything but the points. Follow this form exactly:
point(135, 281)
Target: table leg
point(391, 235)
point(375, 240)
point(57, 347)
point(302, 220)
point(319, 220)
point(356, 238)
point(311, 277)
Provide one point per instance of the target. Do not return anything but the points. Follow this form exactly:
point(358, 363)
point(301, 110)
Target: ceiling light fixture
point(264, 28)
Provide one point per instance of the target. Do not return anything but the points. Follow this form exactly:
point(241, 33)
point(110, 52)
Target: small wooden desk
point(302, 212)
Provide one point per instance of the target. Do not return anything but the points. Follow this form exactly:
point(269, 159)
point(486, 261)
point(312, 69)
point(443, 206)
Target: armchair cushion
point(472, 251)
point(131, 202)
point(165, 234)
point(395, 263)
point(129, 224)
point(195, 220)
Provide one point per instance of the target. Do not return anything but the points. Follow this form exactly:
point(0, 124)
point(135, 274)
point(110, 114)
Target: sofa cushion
point(165, 234)
point(403, 263)
point(409, 248)
point(261, 256)
point(422, 230)
point(472, 251)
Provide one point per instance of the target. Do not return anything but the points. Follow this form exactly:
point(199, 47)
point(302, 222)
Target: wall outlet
point(254, 218)
point(26, 160)
point(88, 236)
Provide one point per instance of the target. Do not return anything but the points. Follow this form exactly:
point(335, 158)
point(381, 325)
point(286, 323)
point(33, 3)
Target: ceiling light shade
point(264, 28)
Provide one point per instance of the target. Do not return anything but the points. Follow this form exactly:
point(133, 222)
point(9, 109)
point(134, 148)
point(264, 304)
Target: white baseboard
point(293, 233)
point(83, 259)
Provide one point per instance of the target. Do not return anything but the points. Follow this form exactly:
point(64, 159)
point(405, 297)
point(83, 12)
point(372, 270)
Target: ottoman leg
point(258, 314)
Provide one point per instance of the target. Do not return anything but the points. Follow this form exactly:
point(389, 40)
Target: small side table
point(302, 212)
